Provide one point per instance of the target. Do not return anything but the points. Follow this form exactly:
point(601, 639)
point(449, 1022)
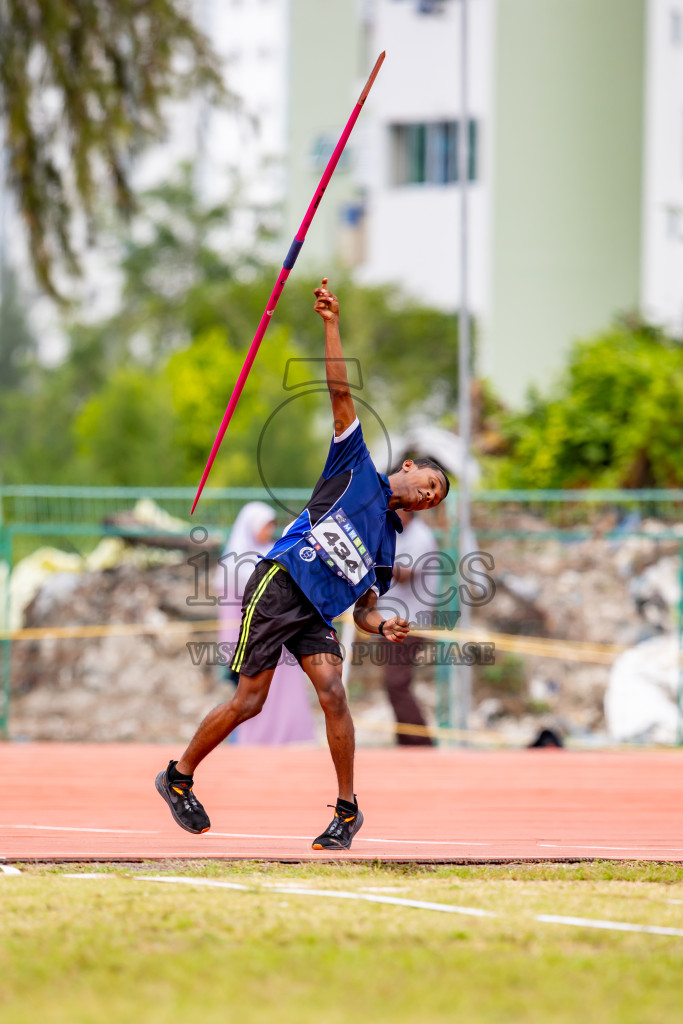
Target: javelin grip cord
point(294, 250)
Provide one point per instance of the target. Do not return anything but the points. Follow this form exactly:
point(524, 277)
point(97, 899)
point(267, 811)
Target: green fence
point(520, 527)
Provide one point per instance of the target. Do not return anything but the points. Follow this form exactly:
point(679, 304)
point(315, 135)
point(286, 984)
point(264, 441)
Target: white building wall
point(662, 254)
point(413, 231)
point(250, 37)
point(237, 152)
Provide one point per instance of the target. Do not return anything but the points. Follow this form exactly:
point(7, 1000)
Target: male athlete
point(339, 552)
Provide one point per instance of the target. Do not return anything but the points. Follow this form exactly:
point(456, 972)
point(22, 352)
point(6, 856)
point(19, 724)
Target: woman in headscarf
point(286, 715)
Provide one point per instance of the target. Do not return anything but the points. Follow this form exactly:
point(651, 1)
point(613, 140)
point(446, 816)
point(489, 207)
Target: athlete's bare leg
point(248, 700)
point(325, 672)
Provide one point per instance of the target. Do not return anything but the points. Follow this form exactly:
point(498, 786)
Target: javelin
point(290, 260)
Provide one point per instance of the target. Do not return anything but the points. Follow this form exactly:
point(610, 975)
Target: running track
point(98, 802)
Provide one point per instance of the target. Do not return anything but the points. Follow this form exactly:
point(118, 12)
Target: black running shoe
point(185, 807)
point(341, 830)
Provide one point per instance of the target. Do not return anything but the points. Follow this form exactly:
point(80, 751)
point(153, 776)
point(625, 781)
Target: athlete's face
point(418, 487)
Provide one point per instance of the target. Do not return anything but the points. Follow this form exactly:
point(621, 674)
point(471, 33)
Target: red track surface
point(73, 802)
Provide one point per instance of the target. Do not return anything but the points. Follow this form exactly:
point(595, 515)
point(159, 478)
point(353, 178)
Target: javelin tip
point(373, 75)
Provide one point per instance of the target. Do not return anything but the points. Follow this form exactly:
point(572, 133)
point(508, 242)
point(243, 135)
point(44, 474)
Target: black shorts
point(275, 612)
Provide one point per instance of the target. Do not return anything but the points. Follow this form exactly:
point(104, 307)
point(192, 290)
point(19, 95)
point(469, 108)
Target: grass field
point(117, 948)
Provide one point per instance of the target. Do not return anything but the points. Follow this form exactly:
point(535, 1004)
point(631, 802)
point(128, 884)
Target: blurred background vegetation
point(139, 394)
point(138, 398)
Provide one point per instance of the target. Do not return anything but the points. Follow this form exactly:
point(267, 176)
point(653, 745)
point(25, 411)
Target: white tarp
point(642, 693)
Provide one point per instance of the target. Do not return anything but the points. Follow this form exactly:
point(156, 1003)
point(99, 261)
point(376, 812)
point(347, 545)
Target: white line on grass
point(182, 880)
point(446, 908)
point(89, 874)
point(397, 901)
point(382, 888)
point(9, 869)
point(615, 926)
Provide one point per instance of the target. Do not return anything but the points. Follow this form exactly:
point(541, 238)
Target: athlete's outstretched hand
point(326, 304)
point(396, 629)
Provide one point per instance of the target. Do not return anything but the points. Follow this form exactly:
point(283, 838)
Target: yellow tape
point(542, 647)
point(115, 629)
point(535, 646)
point(437, 732)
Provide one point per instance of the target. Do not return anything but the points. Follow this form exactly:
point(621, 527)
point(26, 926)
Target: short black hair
point(423, 463)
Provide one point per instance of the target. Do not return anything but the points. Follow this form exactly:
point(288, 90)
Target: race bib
point(341, 547)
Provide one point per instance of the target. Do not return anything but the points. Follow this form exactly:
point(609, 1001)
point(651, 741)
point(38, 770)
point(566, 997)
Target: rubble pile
point(133, 687)
point(145, 687)
point(598, 591)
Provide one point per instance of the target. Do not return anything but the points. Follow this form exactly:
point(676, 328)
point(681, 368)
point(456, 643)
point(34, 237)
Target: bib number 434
point(341, 550)
point(341, 547)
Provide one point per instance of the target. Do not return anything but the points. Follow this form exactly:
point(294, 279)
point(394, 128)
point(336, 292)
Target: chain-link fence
point(577, 621)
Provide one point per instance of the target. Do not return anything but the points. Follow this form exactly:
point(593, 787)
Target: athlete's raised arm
point(327, 306)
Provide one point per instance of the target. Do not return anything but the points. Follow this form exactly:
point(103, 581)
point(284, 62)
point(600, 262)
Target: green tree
point(17, 343)
point(176, 264)
point(614, 419)
point(82, 84)
point(407, 353)
point(36, 442)
point(156, 426)
point(141, 394)
point(181, 279)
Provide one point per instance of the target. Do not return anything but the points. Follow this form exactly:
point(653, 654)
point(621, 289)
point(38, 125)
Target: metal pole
point(3, 219)
point(5, 536)
point(5, 642)
point(679, 691)
point(464, 411)
point(205, 22)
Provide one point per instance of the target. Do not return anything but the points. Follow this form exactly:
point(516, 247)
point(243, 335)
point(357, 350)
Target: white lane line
point(629, 849)
point(381, 888)
point(446, 908)
point(69, 828)
point(397, 901)
point(615, 926)
point(420, 842)
point(182, 880)
point(9, 869)
point(89, 874)
point(240, 835)
point(357, 839)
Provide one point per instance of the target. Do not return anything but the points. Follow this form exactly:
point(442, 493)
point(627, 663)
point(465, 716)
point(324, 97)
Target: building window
point(673, 223)
point(321, 149)
point(427, 153)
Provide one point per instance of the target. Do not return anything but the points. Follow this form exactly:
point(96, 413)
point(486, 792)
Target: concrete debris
point(139, 687)
point(641, 702)
point(146, 687)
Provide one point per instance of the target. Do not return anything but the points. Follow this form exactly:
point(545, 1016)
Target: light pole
point(461, 678)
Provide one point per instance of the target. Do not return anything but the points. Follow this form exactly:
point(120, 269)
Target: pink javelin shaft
point(290, 260)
